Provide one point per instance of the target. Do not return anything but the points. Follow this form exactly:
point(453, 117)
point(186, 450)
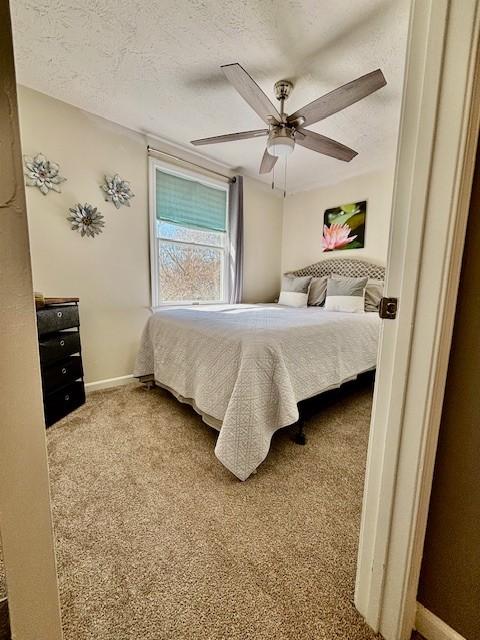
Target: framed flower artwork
point(344, 227)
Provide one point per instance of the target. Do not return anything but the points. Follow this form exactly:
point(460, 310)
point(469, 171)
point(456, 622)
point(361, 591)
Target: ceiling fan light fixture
point(281, 144)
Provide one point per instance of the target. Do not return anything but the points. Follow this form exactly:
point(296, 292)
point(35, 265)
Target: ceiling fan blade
point(250, 92)
point(268, 162)
point(230, 137)
point(322, 144)
point(340, 98)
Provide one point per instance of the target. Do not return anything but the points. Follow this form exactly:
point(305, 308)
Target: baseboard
point(432, 628)
point(108, 383)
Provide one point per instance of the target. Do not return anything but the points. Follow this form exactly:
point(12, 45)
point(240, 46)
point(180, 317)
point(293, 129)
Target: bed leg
point(300, 437)
point(147, 381)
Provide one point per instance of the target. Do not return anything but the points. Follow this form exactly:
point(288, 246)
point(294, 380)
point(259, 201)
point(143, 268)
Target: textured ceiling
point(154, 67)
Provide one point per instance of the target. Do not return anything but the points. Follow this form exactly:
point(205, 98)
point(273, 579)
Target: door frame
point(440, 118)
point(435, 162)
point(28, 544)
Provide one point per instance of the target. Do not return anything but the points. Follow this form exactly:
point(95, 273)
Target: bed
point(244, 368)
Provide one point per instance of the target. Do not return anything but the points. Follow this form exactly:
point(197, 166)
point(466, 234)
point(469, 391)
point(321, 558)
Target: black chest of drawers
point(58, 327)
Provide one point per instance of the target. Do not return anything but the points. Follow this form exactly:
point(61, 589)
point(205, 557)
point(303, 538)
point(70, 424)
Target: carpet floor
point(156, 540)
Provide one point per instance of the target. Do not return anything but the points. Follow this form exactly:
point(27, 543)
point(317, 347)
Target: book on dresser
point(58, 326)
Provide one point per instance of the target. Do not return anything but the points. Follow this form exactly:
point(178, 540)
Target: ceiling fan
point(285, 130)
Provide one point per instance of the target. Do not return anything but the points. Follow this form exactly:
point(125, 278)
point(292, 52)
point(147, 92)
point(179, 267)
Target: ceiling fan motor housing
point(283, 89)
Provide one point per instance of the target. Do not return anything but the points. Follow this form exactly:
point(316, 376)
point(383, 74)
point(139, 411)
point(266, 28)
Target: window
point(189, 247)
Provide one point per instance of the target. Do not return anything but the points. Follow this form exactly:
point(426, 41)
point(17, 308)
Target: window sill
point(180, 305)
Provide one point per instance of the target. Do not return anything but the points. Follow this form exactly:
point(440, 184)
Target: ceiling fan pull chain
point(285, 179)
point(273, 177)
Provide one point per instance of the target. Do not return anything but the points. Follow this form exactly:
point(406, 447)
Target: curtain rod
point(194, 164)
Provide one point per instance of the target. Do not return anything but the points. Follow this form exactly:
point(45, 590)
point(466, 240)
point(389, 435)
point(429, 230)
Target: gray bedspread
point(247, 366)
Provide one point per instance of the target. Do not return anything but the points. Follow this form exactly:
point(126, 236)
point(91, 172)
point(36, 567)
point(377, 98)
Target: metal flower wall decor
point(117, 191)
point(86, 219)
point(42, 173)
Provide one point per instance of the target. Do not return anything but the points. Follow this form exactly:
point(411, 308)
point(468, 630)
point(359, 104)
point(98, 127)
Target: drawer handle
point(62, 343)
point(67, 397)
point(59, 314)
point(64, 371)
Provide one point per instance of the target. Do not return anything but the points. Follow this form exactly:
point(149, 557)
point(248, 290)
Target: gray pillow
point(346, 294)
point(298, 284)
point(317, 291)
point(373, 294)
point(373, 291)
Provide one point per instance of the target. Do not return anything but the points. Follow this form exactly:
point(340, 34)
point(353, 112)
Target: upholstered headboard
point(343, 267)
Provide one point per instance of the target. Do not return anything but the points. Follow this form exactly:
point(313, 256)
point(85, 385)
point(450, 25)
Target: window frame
point(186, 174)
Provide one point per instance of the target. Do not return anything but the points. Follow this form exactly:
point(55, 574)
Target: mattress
point(245, 367)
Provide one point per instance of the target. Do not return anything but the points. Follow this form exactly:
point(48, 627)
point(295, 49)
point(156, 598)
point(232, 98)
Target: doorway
point(375, 597)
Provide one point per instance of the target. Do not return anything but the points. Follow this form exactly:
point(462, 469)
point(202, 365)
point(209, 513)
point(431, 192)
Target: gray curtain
point(235, 225)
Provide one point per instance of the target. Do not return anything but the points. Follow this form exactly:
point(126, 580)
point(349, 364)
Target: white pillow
point(347, 294)
point(293, 299)
point(373, 292)
point(348, 304)
point(294, 291)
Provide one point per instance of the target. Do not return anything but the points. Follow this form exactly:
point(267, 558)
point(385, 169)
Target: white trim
point(432, 627)
point(190, 174)
point(182, 305)
point(410, 195)
point(165, 142)
point(108, 383)
point(434, 172)
point(204, 245)
point(455, 229)
point(28, 539)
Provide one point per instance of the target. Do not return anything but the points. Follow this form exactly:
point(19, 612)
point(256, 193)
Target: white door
point(434, 171)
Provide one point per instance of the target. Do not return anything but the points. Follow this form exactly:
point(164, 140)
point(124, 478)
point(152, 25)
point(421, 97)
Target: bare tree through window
point(191, 264)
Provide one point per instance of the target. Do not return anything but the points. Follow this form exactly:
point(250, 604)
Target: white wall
point(303, 219)
point(262, 241)
point(110, 273)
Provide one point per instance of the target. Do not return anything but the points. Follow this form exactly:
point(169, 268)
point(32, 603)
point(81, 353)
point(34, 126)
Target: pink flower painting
point(336, 236)
point(344, 227)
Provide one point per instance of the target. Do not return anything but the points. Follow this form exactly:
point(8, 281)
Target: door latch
point(388, 308)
